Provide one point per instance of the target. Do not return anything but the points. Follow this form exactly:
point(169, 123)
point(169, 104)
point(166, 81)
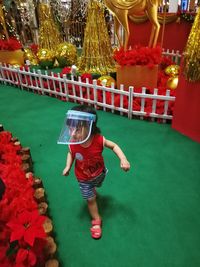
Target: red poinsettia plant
point(10, 44)
point(139, 55)
point(34, 48)
point(22, 235)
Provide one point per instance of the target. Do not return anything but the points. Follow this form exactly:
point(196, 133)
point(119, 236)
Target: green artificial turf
point(151, 214)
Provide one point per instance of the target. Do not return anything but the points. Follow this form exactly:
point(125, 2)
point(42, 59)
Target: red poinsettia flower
point(25, 257)
point(34, 48)
point(10, 44)
point(86, 76)
point(138, 56)
point(27, 226)
point(5, 137)
point(66, 70)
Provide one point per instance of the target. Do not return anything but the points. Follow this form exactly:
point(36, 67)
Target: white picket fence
point(74, 90)
point(175, 56)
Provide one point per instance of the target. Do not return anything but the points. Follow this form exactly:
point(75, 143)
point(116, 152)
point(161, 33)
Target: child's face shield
point(77, 127)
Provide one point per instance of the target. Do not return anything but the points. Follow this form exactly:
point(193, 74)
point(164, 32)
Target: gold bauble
point(29, 55)
point(46, 58)
point(66, 54)
point(106, 80)
point(172, 70)
point(172, 82)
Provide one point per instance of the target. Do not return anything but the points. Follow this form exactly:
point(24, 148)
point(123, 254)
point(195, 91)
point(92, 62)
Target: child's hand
point(66, 171)
point(124, 164)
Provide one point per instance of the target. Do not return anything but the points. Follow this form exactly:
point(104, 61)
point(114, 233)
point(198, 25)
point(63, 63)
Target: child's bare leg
point(96, 219)
point(93, 208)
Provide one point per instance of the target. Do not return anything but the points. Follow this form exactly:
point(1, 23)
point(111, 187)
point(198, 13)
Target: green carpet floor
point(151, 215)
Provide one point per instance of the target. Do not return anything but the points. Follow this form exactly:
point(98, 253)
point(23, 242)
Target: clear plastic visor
point(77, 127)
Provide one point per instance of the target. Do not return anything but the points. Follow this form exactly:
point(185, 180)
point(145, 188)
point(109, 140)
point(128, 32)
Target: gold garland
point(191, 64)
point(2, 23)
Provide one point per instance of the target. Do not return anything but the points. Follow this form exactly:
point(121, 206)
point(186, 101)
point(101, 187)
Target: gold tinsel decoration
point(191, 63)
point(3, 23)
point(97, 51)
point(49, 36)
point(66, 54)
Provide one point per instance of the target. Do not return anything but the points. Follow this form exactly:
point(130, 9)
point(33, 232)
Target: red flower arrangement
point(27, 226)
point(22, 235)
point(34, 48)
point(138, 56)
point(10, 45)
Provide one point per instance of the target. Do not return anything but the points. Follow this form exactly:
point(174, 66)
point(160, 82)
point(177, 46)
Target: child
point(86, 145)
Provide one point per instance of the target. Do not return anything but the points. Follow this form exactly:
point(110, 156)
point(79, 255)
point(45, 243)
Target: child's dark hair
point(89, 109)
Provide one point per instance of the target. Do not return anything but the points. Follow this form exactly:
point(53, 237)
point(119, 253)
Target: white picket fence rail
point(74, 90)
point(175, 56)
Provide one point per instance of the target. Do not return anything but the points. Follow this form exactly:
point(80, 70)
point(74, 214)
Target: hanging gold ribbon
point(2, 23)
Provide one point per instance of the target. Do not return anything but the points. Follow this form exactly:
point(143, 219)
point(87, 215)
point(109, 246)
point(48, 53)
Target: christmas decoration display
point(10, 52)
point(49, 36)
point(24, 226)
point(3, 32)
point(97, 53)
point(86, 91)
point(187, 108)
point(23, 19)
point(191, 63)
point(106, 80)
point(172, 71)
point(10, 44)
point(30, 57)
point(122, 9)
point(138, 55)
point(172, 82)
point(66, 54)
point(61, 13)
point(46, 58)
point(12, 57)
point(138, 66)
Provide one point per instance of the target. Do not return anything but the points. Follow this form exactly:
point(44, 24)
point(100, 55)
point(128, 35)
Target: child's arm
point(124, 164)
point(69, 163)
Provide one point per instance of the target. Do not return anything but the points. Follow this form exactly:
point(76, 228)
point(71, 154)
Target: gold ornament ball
point(46, 58)
point(106, 80)
point(172, 70)
point(66, 54)
point(28, 55)
point(172, 83)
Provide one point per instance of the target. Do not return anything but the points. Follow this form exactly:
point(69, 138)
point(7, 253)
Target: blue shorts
point(88, 188)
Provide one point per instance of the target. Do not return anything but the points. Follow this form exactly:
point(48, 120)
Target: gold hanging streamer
point(191, 63)
point(49, 36)
point(97, 52)
point(2, 22)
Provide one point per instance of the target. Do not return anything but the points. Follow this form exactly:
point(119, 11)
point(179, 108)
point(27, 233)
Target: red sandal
point(96, 231)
